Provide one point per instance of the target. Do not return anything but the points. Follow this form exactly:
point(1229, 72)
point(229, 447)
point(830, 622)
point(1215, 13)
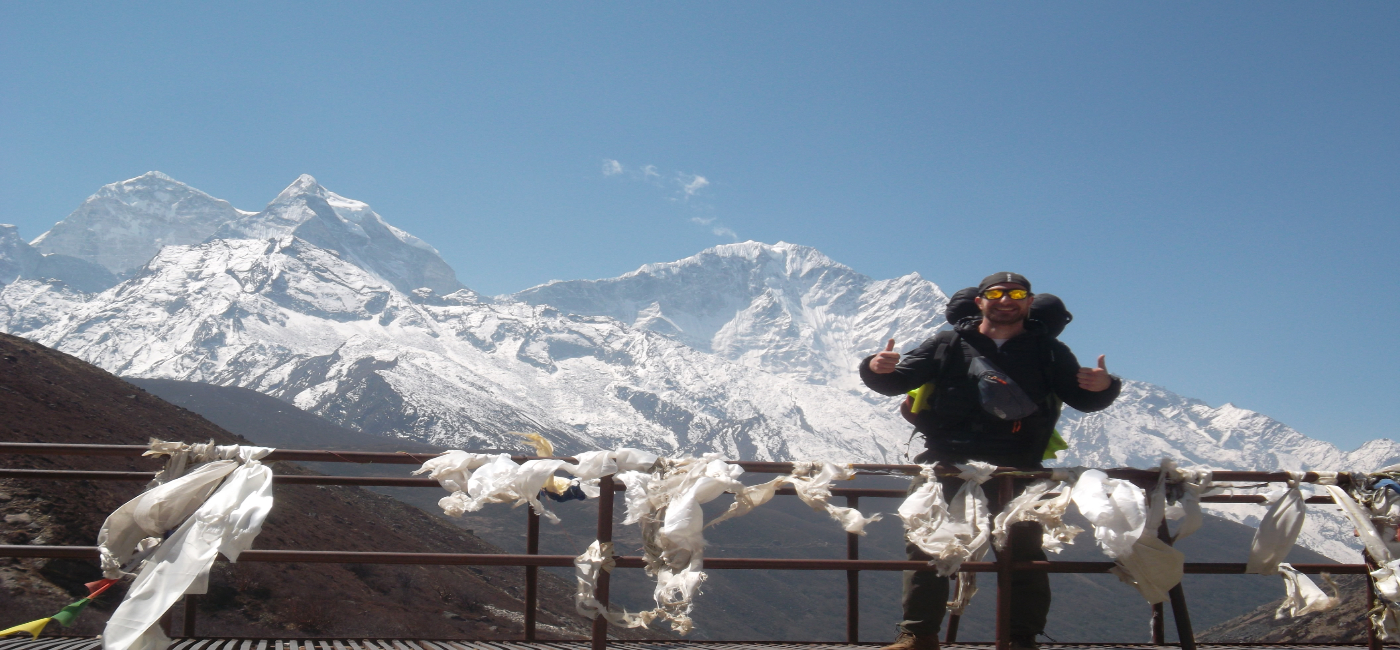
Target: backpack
point(1047, 308)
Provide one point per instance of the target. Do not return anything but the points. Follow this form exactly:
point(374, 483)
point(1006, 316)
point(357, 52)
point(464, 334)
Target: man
point(957, 428)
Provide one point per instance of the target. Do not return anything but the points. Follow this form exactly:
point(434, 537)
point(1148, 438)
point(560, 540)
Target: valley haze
point(746, 349)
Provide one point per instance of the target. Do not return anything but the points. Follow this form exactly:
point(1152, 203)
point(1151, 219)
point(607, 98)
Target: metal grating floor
point(92, 643)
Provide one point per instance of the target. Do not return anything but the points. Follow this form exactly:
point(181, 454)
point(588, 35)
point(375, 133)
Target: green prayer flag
point(66, 615)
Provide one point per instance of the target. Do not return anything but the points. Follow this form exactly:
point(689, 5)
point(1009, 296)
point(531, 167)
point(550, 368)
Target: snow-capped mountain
point(332, 222)
point(124, 224)
point(747, 349)
point(784, 308)
point(298, 322)
point(21, 260)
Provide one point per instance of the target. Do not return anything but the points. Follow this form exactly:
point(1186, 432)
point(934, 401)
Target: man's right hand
point(883, 363)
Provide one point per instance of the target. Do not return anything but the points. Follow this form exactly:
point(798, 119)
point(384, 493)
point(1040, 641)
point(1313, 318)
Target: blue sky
point(1212, 187)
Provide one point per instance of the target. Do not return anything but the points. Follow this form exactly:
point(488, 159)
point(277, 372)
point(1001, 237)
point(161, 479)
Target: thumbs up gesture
point(1090, 379)
point(884, 362)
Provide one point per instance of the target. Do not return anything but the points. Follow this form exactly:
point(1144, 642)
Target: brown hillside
point(48, 396)
point(1344, 624)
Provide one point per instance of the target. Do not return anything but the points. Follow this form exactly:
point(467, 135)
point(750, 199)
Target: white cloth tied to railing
point(1031, 505)
point(475, 480)
point(1385, 618)
point(1275, 537)
point(950, 532)
point(216, 498)
point(1120, 514)
point(665, 502)
point(812, 481)
point(664, 496)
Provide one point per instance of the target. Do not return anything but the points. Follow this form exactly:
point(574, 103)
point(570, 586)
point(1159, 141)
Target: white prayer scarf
point(226, 522)
point(950, 532)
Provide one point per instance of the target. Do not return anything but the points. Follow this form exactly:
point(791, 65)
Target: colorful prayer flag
point(66, 615)
point(32, 627)
point(96, 587)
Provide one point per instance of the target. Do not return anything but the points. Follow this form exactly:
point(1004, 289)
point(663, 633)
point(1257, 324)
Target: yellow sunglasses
point(996, 294)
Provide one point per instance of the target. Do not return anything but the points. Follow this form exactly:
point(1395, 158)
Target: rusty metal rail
point(635, 562)
point(532, 560)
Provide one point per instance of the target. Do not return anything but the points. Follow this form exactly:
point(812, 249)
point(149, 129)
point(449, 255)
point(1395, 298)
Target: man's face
point(1004, 310)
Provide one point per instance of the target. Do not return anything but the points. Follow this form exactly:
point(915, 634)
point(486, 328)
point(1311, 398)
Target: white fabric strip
point(950, 532)
point(226, 522)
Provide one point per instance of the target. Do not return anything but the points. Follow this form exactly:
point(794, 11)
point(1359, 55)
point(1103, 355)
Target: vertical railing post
point(852, 581)
point(1373, 640)
point(1007, 490)
point(532, 573)
point(190, 603)
point(1159, 625)
point(605, 522)
point(1180, 616)
point(951, 635)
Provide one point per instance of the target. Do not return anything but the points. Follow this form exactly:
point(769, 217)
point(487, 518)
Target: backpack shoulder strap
point(945, 349)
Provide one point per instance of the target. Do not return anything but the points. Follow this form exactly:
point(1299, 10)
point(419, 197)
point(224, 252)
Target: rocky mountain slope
point(1344, 624)
point(48, 396)
point(746, 349)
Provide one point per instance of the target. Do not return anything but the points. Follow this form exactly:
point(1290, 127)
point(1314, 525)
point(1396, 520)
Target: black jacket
point(954, 424)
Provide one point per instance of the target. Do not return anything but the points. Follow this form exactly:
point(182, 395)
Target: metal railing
point(531, 560)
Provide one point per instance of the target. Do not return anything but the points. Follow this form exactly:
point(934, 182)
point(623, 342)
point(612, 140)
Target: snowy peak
point(782, 258)
point(321, 217)
point(782, 307)
point(19, 260)
point(16, 256)
point(304, 184)
point(124, 224)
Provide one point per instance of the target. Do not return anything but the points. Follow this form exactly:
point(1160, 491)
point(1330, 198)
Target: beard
point(1004, 318)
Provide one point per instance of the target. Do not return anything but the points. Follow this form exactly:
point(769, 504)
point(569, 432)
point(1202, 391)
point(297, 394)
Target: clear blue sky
point(1212, 187)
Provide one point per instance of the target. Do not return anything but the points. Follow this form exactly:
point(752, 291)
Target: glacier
point(746, 349)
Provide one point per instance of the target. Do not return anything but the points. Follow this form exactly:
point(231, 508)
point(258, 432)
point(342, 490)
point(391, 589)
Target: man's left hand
point(1095, 379)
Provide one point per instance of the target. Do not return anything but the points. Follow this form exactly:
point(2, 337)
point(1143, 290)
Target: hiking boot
point(907, 641)
point(1023, 643)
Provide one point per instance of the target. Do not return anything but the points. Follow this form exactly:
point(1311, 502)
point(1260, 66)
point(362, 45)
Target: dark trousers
point(926, 594)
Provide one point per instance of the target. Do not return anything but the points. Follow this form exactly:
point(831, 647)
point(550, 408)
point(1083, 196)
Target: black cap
point(1001, 278)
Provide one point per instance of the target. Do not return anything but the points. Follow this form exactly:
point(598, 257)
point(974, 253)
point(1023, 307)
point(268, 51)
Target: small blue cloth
point(1388, 483)
point(574, 493)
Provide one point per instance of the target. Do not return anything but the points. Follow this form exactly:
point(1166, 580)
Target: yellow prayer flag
point(32, 627)
point(543, 447)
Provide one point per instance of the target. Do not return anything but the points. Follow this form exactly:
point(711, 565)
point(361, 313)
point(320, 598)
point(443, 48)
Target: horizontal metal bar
point(406, 458)
point(75, 475)
point(287, 479)
point(316, 455)
point(634, 562)
point(393, 481)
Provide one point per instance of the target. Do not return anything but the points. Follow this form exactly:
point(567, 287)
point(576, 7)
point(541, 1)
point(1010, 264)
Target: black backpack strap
point(955, 344)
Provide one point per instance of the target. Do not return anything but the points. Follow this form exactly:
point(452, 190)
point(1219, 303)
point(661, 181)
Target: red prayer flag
point(98, 586)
